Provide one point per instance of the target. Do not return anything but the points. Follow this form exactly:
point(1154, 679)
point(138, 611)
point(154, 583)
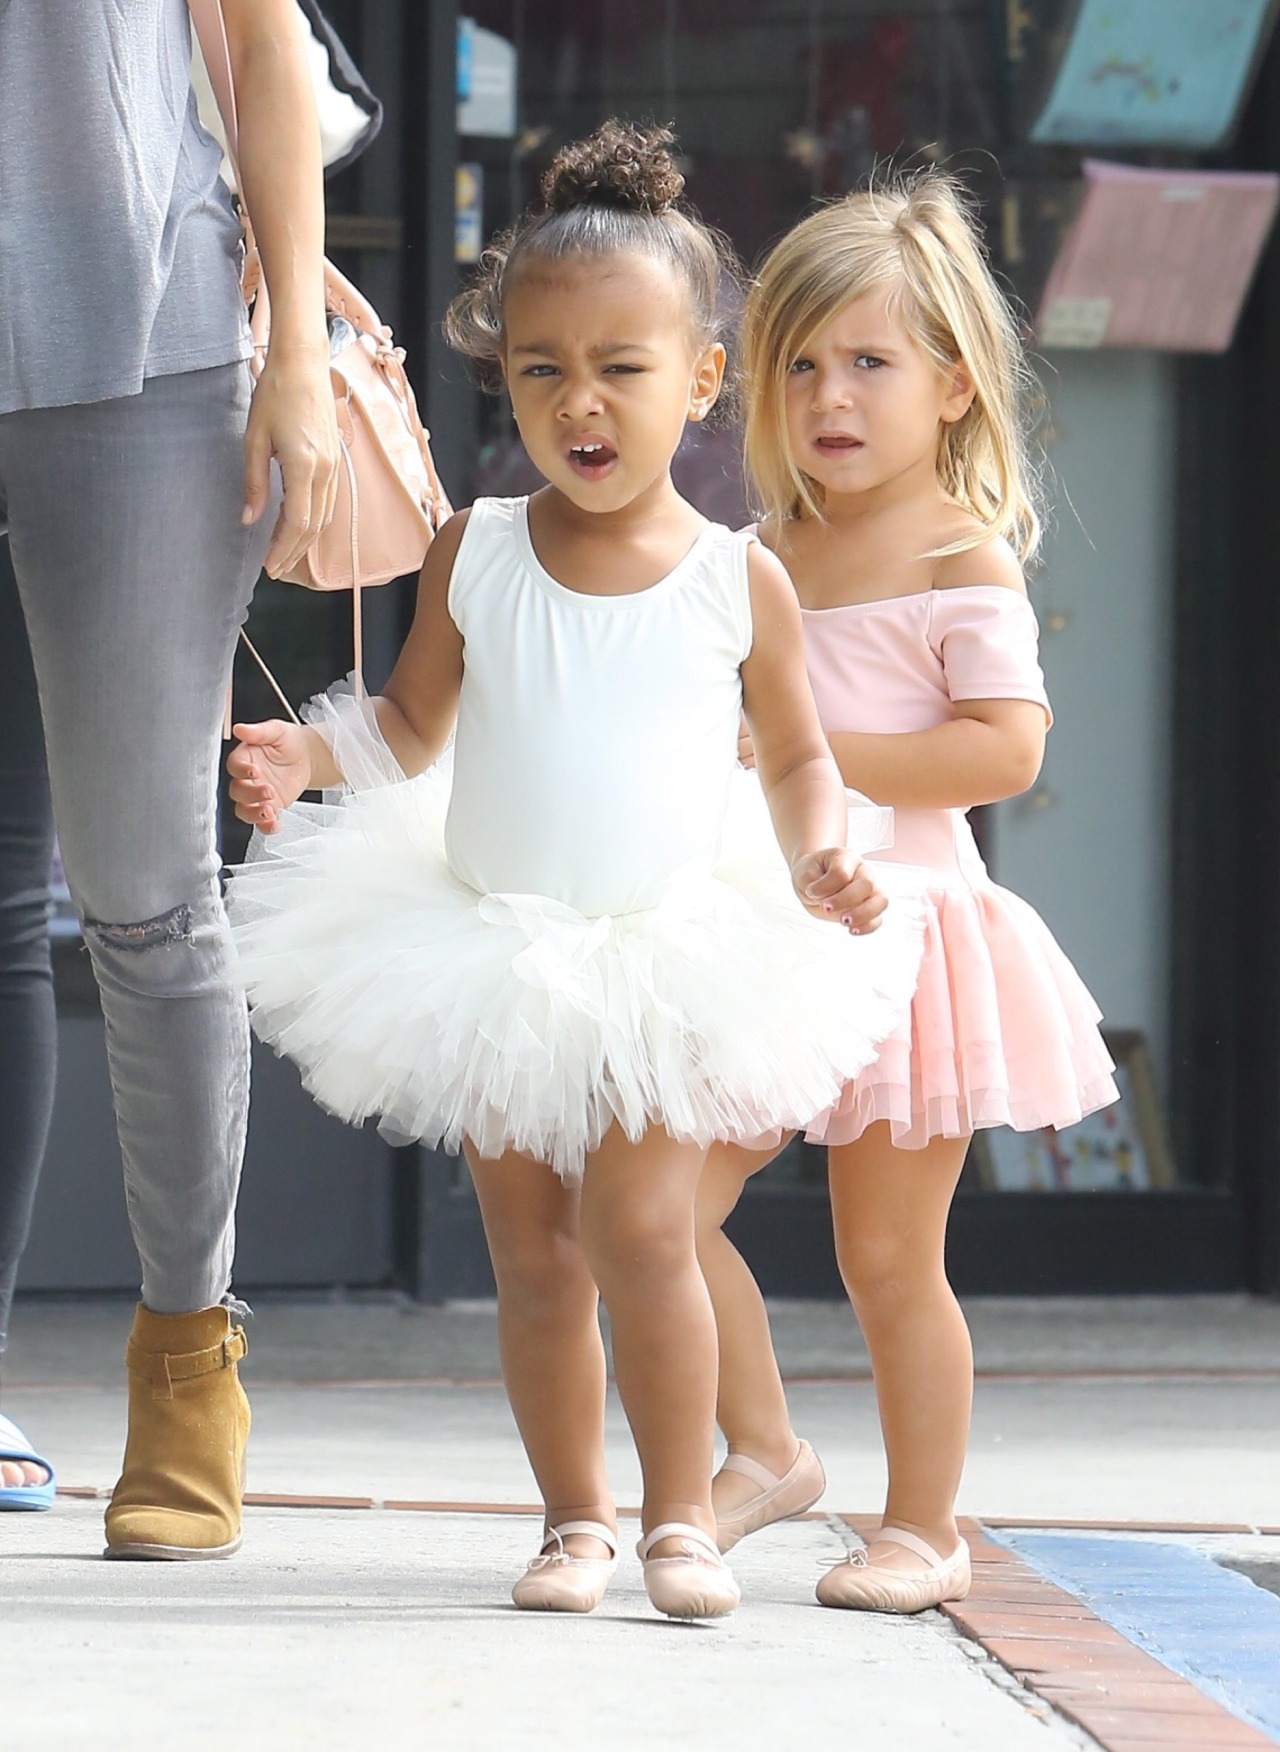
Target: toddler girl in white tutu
point(578, 947)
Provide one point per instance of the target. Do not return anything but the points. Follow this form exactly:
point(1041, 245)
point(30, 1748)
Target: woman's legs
point(751, 1407)
point(638, 1237)
point(890, 1209)
point(134, 574)
point(552, 1354)
point(28, 1024)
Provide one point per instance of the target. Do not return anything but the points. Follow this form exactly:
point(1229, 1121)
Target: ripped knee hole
point(169, 927)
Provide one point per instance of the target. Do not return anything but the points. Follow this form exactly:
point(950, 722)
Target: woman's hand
point(834, 885)
point(282, 179)
point(270, 768)
point(292, 419)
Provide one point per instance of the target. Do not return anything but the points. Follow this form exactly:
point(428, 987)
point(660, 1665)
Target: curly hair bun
point(621, 165)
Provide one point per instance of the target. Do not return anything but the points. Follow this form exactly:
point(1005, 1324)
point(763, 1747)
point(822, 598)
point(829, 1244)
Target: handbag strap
point(357, 640)
point(211, 33)
point(279, 692)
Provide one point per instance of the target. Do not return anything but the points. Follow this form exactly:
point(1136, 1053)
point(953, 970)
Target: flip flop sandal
point(14, 1446)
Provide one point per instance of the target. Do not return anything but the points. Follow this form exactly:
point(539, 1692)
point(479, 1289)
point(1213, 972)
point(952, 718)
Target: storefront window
point(776, 105)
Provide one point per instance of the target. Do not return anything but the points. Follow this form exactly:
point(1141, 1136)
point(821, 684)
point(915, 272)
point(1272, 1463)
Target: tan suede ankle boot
point(180, 1490)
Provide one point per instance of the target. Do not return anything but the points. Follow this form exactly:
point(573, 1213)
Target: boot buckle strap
point(161, 1370)
point(235, 1347)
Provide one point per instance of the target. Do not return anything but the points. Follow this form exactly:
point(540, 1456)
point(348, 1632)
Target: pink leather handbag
point(390, 500)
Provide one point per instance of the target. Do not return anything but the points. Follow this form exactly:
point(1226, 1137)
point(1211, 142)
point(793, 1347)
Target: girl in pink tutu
point(885, 434)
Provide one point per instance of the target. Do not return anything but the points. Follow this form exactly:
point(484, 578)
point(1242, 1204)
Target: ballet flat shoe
point(861, 1586)
point(697, 1584)
point(559, 1581)
point(777, 1499)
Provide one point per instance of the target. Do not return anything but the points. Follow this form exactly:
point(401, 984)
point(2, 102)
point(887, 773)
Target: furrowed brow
point(607, 349)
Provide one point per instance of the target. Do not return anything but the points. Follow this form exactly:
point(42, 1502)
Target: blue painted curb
point(1214, 1627)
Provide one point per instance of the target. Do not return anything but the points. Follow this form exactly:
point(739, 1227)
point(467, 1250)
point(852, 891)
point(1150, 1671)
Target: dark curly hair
point(617, 192)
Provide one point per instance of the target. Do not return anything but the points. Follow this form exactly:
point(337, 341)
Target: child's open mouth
point(592, 459)
point(836, 444)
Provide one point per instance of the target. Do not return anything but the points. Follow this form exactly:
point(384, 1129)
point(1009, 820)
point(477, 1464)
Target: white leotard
point(587, 924)
point(596, 734)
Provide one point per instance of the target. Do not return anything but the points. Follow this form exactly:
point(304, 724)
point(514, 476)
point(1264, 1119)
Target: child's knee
point(541, 1270)
point(638, 1247)
point(882, 1271)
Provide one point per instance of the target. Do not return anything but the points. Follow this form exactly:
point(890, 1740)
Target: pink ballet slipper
point(560, 1581)
point(777, 1499)
point(862, 1586)
point(697, 1583)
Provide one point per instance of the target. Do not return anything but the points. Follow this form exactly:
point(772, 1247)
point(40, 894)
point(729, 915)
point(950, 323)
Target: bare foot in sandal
point(15, 1472)
point(26, 1480)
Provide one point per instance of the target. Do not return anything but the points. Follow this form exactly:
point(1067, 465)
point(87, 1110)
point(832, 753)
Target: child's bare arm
point(990, 750)
point(799, 777)
point(419, 704)
point(274, 762)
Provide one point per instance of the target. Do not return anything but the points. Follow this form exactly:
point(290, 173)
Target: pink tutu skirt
point(1001, 1030)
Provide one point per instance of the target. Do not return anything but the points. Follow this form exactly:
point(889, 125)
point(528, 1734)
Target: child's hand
point(270, 768)
point(834, 885)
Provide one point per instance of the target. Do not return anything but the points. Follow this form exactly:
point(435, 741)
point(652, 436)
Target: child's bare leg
point(890, 1208)
point(638, 1236)
point(552, 1354)
point(751, 1406)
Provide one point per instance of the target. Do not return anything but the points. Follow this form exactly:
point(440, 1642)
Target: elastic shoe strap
point(751, 1469)
point(703, 1543)
point(595, 1529)
point(909, 1542)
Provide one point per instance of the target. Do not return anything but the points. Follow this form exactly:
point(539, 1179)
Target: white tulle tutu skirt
point(725, 1012)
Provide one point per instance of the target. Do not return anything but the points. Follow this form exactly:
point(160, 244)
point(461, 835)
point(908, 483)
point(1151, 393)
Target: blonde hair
point(917, 235)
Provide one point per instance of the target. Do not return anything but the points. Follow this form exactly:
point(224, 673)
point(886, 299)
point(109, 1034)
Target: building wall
point(1090, 846)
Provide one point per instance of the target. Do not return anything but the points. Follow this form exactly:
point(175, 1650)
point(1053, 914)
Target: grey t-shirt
point(119, 247)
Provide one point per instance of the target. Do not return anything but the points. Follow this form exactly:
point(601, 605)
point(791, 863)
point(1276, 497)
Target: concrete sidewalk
point(391, 1627)
point(385, 1630)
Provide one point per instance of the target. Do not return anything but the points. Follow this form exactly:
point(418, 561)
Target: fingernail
point(246, 516)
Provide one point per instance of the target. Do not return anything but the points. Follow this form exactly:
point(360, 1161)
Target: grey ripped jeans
point(134, 574)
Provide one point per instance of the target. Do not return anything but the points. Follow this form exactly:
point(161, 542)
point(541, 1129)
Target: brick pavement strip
point(1079, 1665)
point(1043, 1525)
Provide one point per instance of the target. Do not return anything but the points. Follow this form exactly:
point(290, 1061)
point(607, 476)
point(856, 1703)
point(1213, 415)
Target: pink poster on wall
point(1158, 258)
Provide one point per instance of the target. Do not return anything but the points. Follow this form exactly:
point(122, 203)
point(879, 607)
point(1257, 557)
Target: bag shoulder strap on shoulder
point(211, 37)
